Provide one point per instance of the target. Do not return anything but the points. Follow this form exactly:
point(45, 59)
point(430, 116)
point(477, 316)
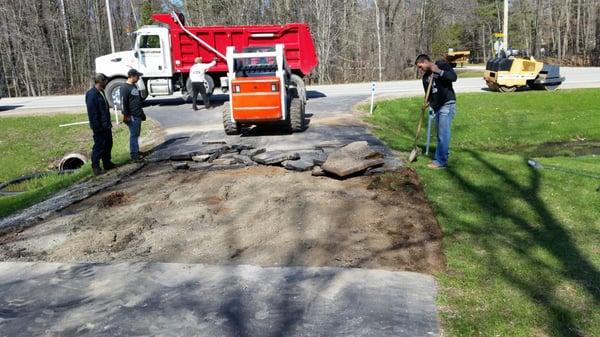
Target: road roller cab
point(262, 90)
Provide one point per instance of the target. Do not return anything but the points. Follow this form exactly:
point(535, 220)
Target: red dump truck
point(165, 52)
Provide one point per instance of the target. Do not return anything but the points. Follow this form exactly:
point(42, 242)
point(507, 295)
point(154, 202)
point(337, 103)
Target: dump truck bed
point(300, 51)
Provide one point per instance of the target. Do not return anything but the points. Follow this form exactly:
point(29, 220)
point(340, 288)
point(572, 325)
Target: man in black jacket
point(100, 123)
point(133, 114)
point(442, 100)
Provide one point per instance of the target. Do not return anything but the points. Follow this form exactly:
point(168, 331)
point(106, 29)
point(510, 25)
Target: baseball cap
point(133, 72)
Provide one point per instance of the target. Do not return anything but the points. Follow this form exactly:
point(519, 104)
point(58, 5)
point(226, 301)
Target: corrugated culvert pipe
point(72, 161)
point(68, 164)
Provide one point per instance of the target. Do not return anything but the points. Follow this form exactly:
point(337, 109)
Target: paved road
point(326, 99)
point(158, 299)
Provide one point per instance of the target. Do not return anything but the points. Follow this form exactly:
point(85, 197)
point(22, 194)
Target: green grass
point(465, 73)
point(35, 143)
point(522, 245)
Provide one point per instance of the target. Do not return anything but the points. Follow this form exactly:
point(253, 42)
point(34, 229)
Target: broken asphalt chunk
point(179, 165)
point(352, 158)
point(200, 166)
point(275, 157)
point(252, 152)
point(298, 165)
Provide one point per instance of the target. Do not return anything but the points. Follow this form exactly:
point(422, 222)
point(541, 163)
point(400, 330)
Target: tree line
point(49, 47)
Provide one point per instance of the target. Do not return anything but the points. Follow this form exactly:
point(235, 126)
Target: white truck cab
point(151, 55)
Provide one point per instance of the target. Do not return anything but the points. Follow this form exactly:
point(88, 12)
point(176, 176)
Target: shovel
point(415, 151)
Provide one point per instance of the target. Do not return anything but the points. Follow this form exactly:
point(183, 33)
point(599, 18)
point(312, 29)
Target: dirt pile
point(259, 215)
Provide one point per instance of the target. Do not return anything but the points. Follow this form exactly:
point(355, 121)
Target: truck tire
point(298, 83)
point(209, 84)
point(231, 127)
point(297, 114)
point(113, 90)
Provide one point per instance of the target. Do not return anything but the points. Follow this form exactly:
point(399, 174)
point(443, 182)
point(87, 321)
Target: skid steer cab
point(262, 90)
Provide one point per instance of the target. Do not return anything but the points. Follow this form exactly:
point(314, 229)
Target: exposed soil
point(264, 216)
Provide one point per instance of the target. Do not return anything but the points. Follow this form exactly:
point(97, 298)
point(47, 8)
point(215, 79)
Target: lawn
point(522, 245)
point(465, 72)
point(35, 143)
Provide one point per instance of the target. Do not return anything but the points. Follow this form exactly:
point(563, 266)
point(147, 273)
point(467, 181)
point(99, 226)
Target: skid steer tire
point(298, 83)
point(297, 115)
point(231, 127)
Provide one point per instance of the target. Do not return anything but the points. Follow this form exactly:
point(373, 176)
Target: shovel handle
point(428, 89)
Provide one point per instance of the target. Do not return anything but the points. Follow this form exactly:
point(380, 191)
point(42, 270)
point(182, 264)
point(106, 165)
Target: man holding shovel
point(442, 101)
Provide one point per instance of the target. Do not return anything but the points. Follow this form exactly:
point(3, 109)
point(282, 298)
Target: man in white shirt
point(197, 77)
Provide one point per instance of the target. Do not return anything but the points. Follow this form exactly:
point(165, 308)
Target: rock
point(329, 145)
point(352, 158)
point(215, 155)
point(242, 147)
point(224, 161)
point(244, 160)
point(317, 171)
point(213, 148)
point(200, 157)
point(179, 165)
point(229, 155)
point(371, 171)
point(392, 164)
point(253, 152)
point(298, 165)
point(200, 166)
point(226, 167)
point(316, 157)
point(275, 157)
point(182, 156)
point(212, 142)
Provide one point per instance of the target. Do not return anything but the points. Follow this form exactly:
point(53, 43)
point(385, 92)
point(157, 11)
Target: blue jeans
point(135, 127)
point(443, 120)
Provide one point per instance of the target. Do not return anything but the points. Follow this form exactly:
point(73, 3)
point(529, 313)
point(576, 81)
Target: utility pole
point(110, 30)
point(505, 29)
point(378, 39)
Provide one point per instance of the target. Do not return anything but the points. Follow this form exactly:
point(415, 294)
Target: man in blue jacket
point(442, 100)
point(100, 123)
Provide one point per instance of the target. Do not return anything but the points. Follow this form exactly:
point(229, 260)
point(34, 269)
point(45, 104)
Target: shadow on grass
point(549, 235)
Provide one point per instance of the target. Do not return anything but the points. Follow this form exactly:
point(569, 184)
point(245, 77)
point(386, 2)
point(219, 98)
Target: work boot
point(137, 158)
point(97, 170)
point(109, 166)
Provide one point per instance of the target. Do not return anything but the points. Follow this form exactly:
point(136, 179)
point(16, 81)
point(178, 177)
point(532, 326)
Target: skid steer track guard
point(261, 90)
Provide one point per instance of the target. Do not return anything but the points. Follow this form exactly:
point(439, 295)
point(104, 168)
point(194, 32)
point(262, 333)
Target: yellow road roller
point(507, 74)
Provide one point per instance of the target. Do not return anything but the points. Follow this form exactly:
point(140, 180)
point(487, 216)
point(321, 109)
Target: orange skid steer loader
point(262, 90)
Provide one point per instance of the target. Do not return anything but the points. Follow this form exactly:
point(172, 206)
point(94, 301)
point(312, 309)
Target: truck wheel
point(113, 91)
point(209, 84)
point(298, 83)
point(231, 127)
point(297, 114)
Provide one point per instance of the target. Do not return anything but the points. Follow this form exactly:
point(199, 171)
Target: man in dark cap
point(133, 114)
point(100, 123)
point(442, 100)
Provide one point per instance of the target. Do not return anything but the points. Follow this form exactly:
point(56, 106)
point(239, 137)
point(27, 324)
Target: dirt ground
point(265, 216)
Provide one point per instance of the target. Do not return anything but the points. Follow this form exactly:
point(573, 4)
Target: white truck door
point(152, 50)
